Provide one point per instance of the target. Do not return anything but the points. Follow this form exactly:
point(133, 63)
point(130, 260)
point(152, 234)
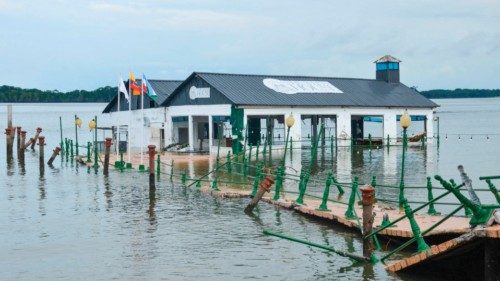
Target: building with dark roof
point(211, 108)
point(262, 102)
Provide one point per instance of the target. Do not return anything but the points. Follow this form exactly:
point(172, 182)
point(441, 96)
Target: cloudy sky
point(77, 44)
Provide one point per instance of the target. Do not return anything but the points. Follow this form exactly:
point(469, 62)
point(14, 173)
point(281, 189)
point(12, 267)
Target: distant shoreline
point(10, 94)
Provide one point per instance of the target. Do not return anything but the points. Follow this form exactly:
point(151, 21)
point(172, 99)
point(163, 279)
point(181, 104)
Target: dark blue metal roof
point(244, 89)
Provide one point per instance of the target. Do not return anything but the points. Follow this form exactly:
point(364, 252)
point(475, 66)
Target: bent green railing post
point(493, 190)
point(421, 245)
point(228, 160)
point(467, 211)
point(339, 187)
point(60, 131)
point(88, 153)
point(374, 181)
point(256, 180)
point(331, 147)
point(257, 152)
point(96, 150)
point(249, 161)
point(183, 177)
point(480, 214)
point(326, 193)
point(215, 186)
point(264, 151)
point(302, 188)
point(72, 155)
point(171, 170)
point(328, 248)
point(66, 144)
point(349, 213)
point(158, 169)
point(279, 182)
point(430, 197)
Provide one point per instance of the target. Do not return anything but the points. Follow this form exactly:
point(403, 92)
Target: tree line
point(16, 94)
point(105, 94)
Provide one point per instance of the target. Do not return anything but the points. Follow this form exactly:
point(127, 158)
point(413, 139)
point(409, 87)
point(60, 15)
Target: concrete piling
point(107, 150)
point(367, 200)
point(265, 186)
point(55, 152)
point(9, 116)
point(38, 131)
point(151, 152)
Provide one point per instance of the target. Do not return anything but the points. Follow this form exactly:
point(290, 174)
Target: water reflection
point(108, 194)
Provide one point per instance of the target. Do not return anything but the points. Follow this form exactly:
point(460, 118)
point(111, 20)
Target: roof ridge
point(290, 76)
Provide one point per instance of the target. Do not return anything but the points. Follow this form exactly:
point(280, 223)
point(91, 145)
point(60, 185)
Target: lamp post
point(405, 122)
point(281, 169)
point(93, 126)
point(78, 124)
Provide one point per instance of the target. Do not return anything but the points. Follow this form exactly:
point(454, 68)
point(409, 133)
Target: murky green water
point(74, 225)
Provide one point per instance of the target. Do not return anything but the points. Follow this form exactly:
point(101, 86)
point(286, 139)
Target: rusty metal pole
point(38, 131)
point(18, 130)
point(41, 143)
point(8, 133)
point(265, 186)
point(23, 138)
point(107, 149)
point(55, 152)
point(368, 199)
point(151, 152)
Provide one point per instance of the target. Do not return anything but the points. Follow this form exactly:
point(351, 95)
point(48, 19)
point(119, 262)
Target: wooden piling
point(9, 142)
point(368, 199)
point(21, 149)
point(9, 116)
point(38, 131)
point(151, 152)
point(265, 186)
point(107, 150)
point(18, 130)
point(41, 143)
point(55, 152)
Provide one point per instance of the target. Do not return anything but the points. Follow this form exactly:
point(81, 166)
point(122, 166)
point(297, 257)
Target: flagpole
point(117, 140)
point(129, 122)
point(142, 111)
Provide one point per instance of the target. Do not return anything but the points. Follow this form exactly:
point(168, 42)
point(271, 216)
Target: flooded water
point(69, 223)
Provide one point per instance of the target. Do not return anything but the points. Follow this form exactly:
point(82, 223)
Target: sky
point(66, 45)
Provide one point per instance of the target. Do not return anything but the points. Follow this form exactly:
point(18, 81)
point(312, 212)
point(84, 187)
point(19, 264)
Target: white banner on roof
point(294, 87)
point(199, 93)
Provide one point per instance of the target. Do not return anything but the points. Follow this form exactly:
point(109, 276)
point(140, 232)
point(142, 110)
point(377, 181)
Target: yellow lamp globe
point(290, 121)
point(405, 120)
point(78, 122)
point(92, 124)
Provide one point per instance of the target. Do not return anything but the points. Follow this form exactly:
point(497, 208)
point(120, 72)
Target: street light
point(281, 169)
point(405, 122)
point(78, 124)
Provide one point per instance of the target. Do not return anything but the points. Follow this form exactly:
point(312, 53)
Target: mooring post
point(388, 144)
point(55, 152)
point(96, 150)
point(107, 150)
point(41, 144)
point(9, 116)
point(367, 200)
point(430, 197)
point(349, 213)
point(326, 194)
point(38, 131)
point(151, 152)
point(417, 234)
point(18, 130)
point(265, 186)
